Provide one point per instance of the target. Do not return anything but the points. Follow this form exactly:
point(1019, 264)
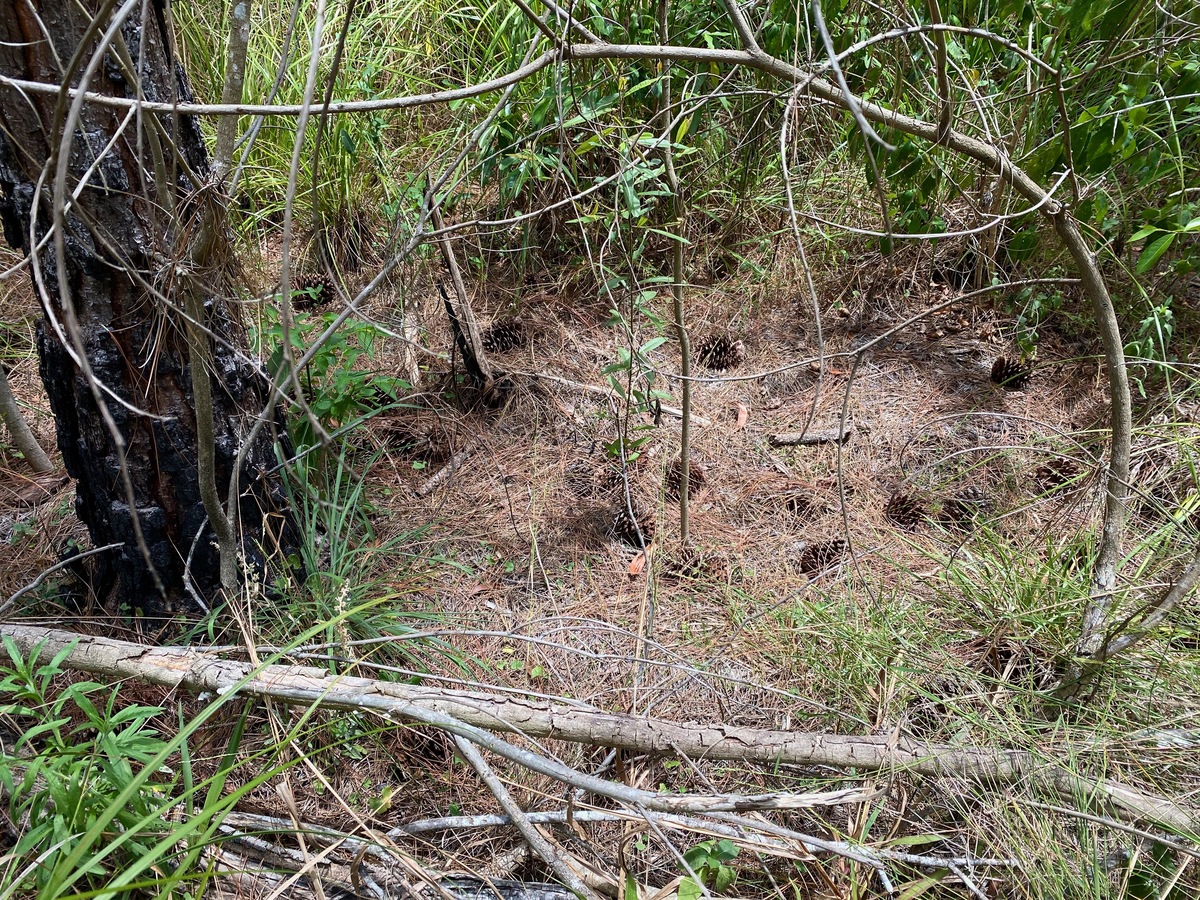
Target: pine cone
point(504, 335)
point(312, 290)
point(821, 555)
point(694, 564)
point(624, 529)
point(720, 352)
point(587, 478)
point(960, 510)
point(1056, 472)
point(580, 478)
point(799, 503)
point(1010, 374)
point(697, 477)
point(608, 480)
point(805, 501)
point(905, 510)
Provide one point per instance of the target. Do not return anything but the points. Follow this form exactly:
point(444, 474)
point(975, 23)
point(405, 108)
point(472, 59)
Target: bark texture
point(139, 235)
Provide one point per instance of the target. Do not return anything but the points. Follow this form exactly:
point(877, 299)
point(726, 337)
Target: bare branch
point(292, 109)
point(46, 573)
point(473, 715)
point(1156, 615)
point(22, 437)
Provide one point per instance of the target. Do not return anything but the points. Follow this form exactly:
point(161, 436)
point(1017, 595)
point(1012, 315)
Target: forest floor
point(923, 577)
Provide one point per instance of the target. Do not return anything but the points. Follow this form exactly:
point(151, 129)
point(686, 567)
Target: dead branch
point(535, 839)
point(1154, 615)
point(749, 833)
point(263, 862)
point(46, 573)
point(811, 438)
point(474, 714)
point(22, 437)
point(438, 478)
point(462, 318)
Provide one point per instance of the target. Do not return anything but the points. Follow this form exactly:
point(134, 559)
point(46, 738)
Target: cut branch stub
point(462, 318)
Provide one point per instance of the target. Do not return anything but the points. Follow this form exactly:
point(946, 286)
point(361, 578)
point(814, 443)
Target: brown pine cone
point(905, 510)
point(503, 335)
point(961, 510)
point(625, 527)
point(1055, 473)
point(697, 477)
point(720, 352)
point(312, 290)
point(1010, 374)
point(821, 555)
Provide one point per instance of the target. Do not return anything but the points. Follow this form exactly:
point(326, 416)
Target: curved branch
point(292, 109)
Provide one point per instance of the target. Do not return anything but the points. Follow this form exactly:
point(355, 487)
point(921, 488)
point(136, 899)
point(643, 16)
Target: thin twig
point(57, 567)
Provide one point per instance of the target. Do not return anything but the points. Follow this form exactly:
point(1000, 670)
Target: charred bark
point(138, 238)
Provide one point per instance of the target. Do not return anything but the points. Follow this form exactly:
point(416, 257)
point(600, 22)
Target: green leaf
point(1143, 233)
point(653, 344)
point(631, 887)
point(1154, 251)
point(697, 857)
point(671, 236)
point(726, 875)
point(726, 851)
point(33, 731)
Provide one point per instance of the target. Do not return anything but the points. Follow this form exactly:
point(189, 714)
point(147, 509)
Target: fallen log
point(200, 670)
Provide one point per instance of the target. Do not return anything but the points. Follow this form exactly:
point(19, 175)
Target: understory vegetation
point(869, 496)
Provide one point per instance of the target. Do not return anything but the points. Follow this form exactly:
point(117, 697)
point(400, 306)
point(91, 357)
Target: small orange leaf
point(638, 565)
point(743, 415)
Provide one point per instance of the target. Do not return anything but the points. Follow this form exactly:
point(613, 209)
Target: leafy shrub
point(337, 389)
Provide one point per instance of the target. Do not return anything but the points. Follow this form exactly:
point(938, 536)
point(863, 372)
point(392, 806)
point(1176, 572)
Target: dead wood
point(199, 670)
point(22, 437)
point(462, 317)
point(811, 438)
point(438, 478)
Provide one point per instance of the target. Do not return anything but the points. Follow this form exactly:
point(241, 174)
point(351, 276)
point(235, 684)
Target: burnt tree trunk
point(145, 230)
